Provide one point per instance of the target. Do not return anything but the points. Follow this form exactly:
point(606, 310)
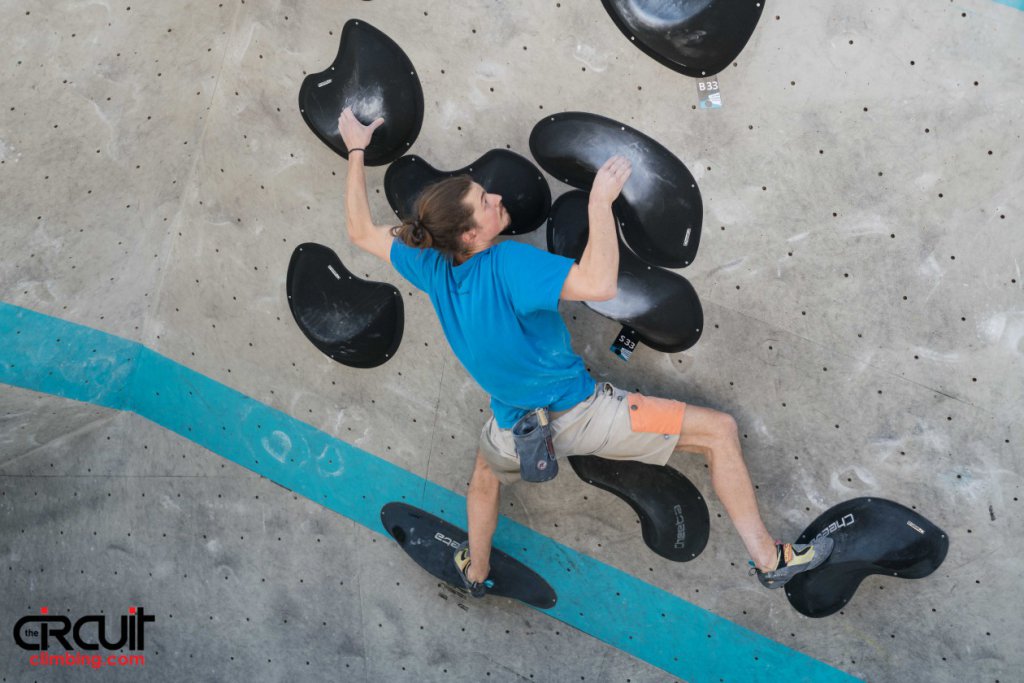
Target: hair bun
point(420, 235)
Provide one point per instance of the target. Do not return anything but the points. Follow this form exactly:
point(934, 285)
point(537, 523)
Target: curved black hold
point(356, 322)
point(697, 38)
point(660, 305)
point(430, 541)
point(660, 204)
point(374, 76)
point(523, 189)
point(673, 515)
point(872, 536)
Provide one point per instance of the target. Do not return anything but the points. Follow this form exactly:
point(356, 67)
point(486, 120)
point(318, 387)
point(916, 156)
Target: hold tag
point(915, 527)
point(709, 93)
point(625, 344)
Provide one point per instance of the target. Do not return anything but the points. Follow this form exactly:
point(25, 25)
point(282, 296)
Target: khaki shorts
point(611, 424)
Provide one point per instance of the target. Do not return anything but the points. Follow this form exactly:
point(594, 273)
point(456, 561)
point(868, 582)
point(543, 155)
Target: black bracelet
point(358, 149)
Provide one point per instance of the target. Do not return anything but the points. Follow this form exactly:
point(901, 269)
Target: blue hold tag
point(625, 344)
point(709, 92)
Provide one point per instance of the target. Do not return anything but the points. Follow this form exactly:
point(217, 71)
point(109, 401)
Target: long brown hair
point(440, 218)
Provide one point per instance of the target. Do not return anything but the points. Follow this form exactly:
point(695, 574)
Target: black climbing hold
point(694, 38)
point(523, 190)
point(660, 305)
point(660, 206)
point(430, 541)
point(374, 76)
point(674, 518)
point(356, 322)
point(872, 536)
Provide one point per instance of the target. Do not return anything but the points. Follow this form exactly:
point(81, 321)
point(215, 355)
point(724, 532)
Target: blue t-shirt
point(499, 312)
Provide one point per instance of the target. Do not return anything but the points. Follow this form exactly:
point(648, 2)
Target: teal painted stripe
point(1016, 4)
point(50, 355)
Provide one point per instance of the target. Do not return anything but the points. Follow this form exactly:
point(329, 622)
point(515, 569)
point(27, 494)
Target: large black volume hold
point(872, 536)
point(673, 515)
point(661, 306)
point(354, 321)
point(431, 542)
point(374, 76)
point(697, 38)
point(660, 205)
point(524, 192)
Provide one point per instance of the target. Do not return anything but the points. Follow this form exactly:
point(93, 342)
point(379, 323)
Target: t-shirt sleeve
point(415, 265)
point(534, 277)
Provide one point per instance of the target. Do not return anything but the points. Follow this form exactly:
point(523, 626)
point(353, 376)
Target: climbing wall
point(859, 270)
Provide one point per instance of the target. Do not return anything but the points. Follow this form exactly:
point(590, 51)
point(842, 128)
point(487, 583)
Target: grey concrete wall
point(859, 269)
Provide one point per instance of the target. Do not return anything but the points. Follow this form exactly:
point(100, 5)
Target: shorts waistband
point(555, 414)
point(598, 388)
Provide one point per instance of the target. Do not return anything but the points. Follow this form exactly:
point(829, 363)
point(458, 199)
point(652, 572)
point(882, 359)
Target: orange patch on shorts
point(655, 415)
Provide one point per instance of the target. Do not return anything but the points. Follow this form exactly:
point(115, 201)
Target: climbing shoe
point(462, 563)
point(794, 559)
